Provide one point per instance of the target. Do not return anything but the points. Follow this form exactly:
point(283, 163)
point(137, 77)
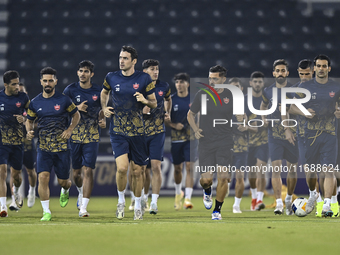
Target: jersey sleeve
point(196, 104)
point(150, 87)
point(67, 92)
point(106, 84)
point(265, 97)
point(27, 101)
point(71, 108)
point(168, 92)
point(298, 94)
point(31, 114)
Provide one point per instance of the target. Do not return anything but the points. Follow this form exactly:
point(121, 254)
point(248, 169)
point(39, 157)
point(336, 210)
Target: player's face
point(84, 74)
point(214, 78)
point(22, 89)
point(257, 84)
point(321, 68)
point(48, 81)
point(305, 74)
point(153, 71)
point(181, 86)
point(280, 74)
point(13, 87)
point(125, 61)
point(237, 84)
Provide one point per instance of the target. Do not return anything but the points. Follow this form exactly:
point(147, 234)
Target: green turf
point(168, 232)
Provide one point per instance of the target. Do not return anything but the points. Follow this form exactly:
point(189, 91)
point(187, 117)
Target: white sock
point(13, 199)
point(146, 197)
point(132, 195)
point(46, 206)
point(319, 198)
point(31, 190)
point(178, 188)
point(142, 192)
point(138, 205)
point(253, 193)
point(84, 204)
point(188, 193)
point(312, 193)
point(334, 200)
point(15, 189)
point(154, 198)
point(279, 202)
point(326, 203)
point(121, 197)
point(288, 198)
point(3, 201)
point(237, 201)
point(260, 196)
point(80, 190)
point(64, 190)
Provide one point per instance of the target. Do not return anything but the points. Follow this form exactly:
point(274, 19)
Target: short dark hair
point(149, 62)
point(218, 69)
point(131, 50)
point(88, 64)
point(322, 57)
point(280, 62)
point(10, 75)
point(256, 74)
point(48, 70)
point(305, 63)
point(182, 76)
point(235, 80)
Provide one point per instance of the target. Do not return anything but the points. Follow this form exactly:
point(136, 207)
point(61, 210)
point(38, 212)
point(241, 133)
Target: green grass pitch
point(168, 232)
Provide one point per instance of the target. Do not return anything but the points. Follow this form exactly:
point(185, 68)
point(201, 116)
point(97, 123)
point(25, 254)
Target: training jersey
point(261, 136)
point(52, 115)
point(11, 131)
point(87, 130)
point(221, 134)
point(240, 138)
point(276, 130)
point(154, 122)
point(179, 111)
point(323, 101)
point(128, 113)
point(301, 120)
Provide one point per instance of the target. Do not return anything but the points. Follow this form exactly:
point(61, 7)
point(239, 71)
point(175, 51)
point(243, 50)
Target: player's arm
point(167, 107)
point(263, 107)
point(104, 99)
point(288, 132)
point(74, 122)
point(191, 119)
point(150, 101)
point(246, 127)
point(101, 119)
point(30, 129)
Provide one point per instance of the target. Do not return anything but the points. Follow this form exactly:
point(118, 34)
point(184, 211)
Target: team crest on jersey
point(57, 107)
point(94, 97)
point(18, 104)
point(331, 94)
point(135, 86)
point(226, 100)
point(160, 93)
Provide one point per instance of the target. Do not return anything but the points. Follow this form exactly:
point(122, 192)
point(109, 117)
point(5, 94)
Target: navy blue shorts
point(240, 159)
point(84, 154)
point(134, 146)
point(29, 159)
point(60, 161)
point(184, 152)
point(221, 156)
point(302, 149)
point(155, 145)
point(260, 152)
point(12, 155)
point(282, 149)
point(322, 150)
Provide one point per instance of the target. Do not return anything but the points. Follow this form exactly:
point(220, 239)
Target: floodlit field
point(169, 232)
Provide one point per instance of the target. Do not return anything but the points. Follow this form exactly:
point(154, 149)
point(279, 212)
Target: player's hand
point(239, 118)
point(178, 126)
point(312, 112)
point(140, 98)
point(167, 117)
point(102, 123)
point(146, 110)
point(66, 134)
point(337, 113)
point(290, 136)
point(30, 135)
point(242, 128)
point(198, 134)
point(20, 118)
point(108, 111)
point(265, 123)
point(82, 106)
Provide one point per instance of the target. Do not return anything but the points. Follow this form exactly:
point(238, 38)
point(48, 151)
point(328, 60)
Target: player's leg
point(13, 206)
point(44, 194)
point(29, 163)
point(76, 153)
point(132, 204)
point(122, 164)
point(206, 182)
point(137, 183)
point(189, 184)
point(3, 190)
point(262, 155)
point(17, 180)
point(334, 200)
point(147, 182)
point(239, 188)
point(252, 176)
point(156, 183)
point(177, 152)
point(291, 184)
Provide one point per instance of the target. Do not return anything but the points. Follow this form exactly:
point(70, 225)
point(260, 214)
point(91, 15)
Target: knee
point(30, 172)
point(147, 172)
point(88, 172)
point(16, 174)
point(63, 183)
point(178, 169)
point(44, 178)
point(122, 170)
point(137, 173)
point(206, 182)
point(156, 170)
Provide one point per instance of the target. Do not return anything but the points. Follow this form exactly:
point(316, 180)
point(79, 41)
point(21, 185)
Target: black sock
point(218, 206)
point(208, 191)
